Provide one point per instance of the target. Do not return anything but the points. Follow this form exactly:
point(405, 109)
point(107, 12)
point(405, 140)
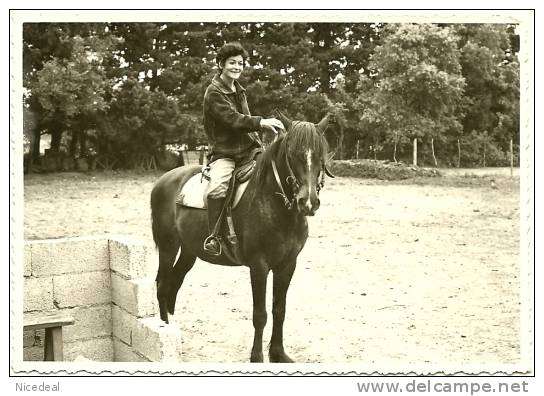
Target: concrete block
point(69, 255)
point(39, 337)
point(131, 258)
point(89, 323)
point(27, 259)
point(134, 296)
point(38, 294)
point(33, 353)
point(82, 289)
point(157, 341)
point(98, 349)
point(29, 338)
point(123, 324)
point(125, 353)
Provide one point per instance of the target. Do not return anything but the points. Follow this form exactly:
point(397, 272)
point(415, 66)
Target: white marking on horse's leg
point(171, 318)
point(177, 256)
point(309, 162)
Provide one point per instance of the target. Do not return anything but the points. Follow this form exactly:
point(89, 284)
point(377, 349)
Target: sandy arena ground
point(414, 272)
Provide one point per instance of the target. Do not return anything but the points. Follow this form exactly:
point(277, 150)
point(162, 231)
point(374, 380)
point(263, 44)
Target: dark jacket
point(228, 123)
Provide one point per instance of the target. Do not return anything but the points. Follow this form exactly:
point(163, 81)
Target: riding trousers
point(220, 174)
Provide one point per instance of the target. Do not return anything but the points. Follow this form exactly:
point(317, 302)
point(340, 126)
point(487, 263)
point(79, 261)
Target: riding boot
point(212, 245)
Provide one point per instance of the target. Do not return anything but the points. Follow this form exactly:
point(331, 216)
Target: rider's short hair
point(230, 49)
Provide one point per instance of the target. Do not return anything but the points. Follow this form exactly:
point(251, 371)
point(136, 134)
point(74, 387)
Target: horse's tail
point(154, 203)
point(162, 204)
point(154, 226)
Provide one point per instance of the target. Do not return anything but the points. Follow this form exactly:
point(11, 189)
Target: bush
point(383, 170)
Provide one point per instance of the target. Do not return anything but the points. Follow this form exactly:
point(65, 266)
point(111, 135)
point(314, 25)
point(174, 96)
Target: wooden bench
point(52, 323)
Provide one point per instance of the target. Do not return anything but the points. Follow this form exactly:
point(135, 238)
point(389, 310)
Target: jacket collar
point(223, 88)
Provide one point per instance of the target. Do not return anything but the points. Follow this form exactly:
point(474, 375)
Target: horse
point(270, 222)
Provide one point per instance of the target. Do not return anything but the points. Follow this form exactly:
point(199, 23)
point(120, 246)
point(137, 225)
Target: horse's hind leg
point(167, 255)
point(183, 265)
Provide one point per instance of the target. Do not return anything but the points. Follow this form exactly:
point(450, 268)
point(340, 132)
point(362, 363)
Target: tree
point(69, 90)
point(491, 70)
point(419, 83)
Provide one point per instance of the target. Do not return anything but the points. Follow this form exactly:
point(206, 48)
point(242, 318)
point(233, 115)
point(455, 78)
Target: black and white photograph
point(343, 192)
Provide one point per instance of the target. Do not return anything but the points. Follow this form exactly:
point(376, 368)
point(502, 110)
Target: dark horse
point(269, 221)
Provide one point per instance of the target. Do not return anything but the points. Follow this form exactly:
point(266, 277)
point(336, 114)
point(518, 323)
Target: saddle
point(192, 194)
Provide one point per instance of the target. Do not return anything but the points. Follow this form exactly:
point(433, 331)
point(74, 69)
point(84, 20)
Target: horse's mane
point(300, 137)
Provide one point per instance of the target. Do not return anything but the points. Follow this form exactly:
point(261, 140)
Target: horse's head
point(306, 153)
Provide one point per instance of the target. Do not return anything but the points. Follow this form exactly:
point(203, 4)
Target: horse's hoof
point(257, 358)
point(164, 316)
point(281, 357)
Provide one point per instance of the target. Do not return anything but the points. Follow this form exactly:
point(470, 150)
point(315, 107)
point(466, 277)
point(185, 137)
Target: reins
point(292, 180)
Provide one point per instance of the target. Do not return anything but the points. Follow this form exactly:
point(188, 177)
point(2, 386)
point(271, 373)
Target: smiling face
point(232, 68)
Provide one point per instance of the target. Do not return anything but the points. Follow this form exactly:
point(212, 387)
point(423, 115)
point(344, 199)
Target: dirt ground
point(413, 272)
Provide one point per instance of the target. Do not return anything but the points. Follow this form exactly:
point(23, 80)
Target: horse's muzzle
point(308, 207)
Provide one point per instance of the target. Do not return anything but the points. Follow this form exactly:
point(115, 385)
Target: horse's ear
point(283, 118)
point(323, 124)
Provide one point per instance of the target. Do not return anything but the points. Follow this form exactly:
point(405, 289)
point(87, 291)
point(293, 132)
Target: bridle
point(293, 182)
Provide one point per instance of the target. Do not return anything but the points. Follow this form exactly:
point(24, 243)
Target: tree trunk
point(458, 153)
point(82, 144)
point(35, 146)
point(484, 154)
point(73, 144)
point(414, 160)
point(56, 137)
point(432, 149)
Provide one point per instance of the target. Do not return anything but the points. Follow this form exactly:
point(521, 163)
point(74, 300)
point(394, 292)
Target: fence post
point(414, 162)
point(357, 153)
point(458, 153)
point(434, 156)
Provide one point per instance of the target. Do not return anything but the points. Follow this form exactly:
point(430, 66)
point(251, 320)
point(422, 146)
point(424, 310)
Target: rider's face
point(233, 66)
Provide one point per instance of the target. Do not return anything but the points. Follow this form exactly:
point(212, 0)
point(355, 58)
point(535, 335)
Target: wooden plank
point(53, 348)
point(56, 335)
point(44, 321)
point(48, 346)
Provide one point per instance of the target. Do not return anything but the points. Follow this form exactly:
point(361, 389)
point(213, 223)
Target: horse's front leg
point(259, 274)
point(282, 279)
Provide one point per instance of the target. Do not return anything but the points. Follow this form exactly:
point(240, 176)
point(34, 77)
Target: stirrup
point(209, 240)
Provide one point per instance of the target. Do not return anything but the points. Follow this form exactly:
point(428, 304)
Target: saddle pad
point(192, 192)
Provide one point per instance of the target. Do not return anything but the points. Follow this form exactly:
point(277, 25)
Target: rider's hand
point(272, 124)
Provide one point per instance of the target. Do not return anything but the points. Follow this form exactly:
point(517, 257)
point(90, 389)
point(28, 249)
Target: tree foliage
point(419, 85)
point(125, 90)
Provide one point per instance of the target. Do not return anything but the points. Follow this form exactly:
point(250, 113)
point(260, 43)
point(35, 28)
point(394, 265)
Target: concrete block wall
point(72, 276)
point(107, 285)
point(138, 334)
